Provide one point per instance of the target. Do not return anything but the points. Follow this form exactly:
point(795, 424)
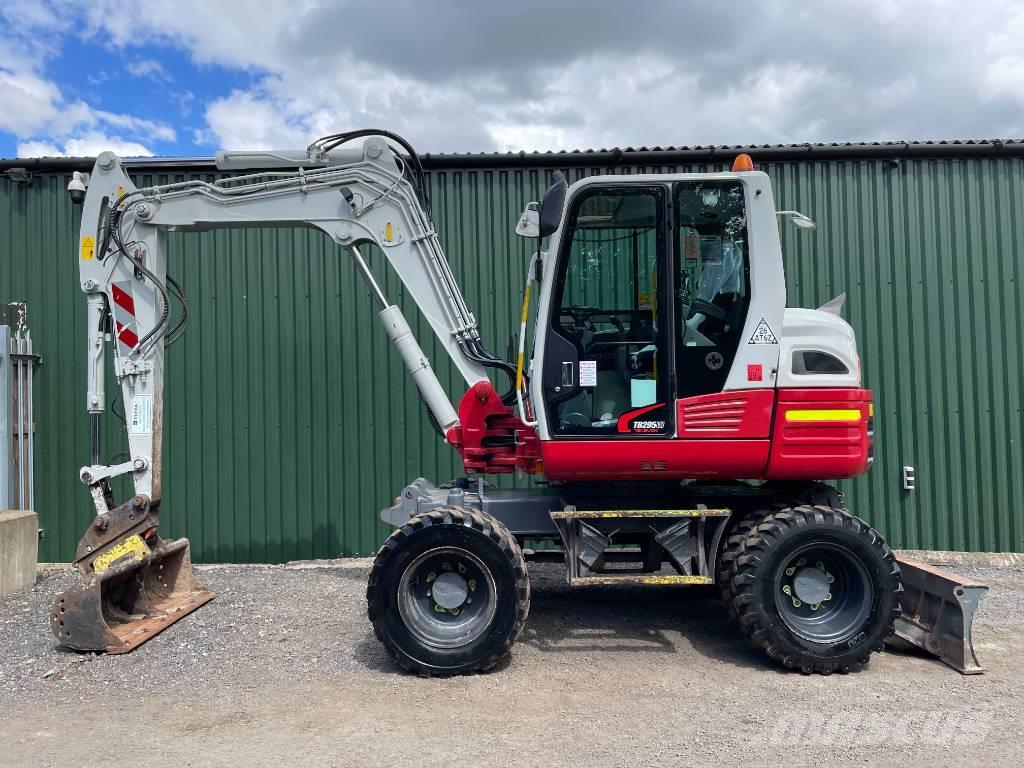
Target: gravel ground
point(282, 669)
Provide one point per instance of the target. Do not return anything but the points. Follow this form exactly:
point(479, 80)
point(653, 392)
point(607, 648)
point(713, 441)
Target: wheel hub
point(807, 585)
point(826, 592)
point(811, 585)
point(447, 597)
point(450, 590)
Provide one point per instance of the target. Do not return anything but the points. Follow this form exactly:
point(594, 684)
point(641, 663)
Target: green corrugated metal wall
point(290, 420)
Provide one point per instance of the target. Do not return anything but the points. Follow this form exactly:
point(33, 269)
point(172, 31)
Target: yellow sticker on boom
point(88, 247)
point(133, 545)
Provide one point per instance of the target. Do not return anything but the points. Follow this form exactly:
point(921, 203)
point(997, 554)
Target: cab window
point(712, 279)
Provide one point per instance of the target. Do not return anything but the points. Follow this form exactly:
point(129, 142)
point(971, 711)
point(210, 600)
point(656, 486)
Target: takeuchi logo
point(647, 426)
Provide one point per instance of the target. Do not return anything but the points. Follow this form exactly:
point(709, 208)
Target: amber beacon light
point(742, 163)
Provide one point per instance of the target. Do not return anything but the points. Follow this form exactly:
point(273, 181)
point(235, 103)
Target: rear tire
point(449, 593)
point(816, 588)
point(727, 559)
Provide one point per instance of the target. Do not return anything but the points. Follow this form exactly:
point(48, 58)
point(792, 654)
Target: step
point(607, 514)
point(649, 579)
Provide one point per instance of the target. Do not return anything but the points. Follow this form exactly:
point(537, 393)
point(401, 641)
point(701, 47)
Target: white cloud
point(30, 102)
point(38, 149)
point(486, 76)
point(134, 125)
point(217, 33)
point(150, 69)
point(454, 78)
point(1004, 75)
point(244, 120)
point(89, 144)
point(184, 101)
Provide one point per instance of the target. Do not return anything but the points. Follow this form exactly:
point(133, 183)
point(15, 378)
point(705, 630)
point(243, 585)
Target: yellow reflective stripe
point(522, 335)
point(838, 414)
point(871, 409)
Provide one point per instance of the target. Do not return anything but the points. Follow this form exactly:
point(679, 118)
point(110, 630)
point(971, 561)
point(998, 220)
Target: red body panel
point(726, 415)
point(666, 459)
point(820, 450)
point(722, 435)
point(727, 435)
point(731, 435)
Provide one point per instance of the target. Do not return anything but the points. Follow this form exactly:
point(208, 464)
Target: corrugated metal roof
point(723, 148)
point(641, 154)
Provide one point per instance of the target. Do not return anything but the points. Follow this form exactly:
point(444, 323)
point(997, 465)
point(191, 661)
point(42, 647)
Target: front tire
point(816, 588)
point(448, 593)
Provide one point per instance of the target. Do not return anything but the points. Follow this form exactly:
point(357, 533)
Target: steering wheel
point(707, 309)
point(575, 419)
point(612, 319)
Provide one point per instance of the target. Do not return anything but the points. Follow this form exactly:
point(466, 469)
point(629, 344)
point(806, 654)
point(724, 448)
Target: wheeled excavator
point(678, 420)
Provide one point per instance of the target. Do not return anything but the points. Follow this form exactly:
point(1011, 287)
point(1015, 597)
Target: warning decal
point(588, 373)
point(763, 334)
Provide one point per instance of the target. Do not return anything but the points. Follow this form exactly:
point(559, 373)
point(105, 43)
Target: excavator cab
point(650, 296)
point(651, 337)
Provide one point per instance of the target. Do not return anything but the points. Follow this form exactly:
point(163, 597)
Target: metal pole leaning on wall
point(17, 420)
point(6, 420)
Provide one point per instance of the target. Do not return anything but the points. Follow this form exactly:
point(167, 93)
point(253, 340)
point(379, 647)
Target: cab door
point(608, 365)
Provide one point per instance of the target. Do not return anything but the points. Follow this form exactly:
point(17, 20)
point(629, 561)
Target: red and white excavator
point(678, 418)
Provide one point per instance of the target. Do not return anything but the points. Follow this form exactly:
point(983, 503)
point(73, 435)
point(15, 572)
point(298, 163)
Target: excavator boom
point(135, 583)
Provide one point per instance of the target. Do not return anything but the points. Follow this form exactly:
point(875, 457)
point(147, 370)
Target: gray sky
point(480, 76)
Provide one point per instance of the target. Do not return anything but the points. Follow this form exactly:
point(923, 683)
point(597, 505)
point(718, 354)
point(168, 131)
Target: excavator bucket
point(134, 584)
point(938, 614)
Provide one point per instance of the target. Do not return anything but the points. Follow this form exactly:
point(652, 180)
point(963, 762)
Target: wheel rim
point(447, 598)
point(823, 593)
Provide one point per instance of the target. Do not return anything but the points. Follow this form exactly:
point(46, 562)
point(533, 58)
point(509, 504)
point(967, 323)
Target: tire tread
point(452, 516)
point(760, 534)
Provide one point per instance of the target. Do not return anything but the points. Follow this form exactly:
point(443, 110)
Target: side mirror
point(551, 205)
point(529, 222)
point(801, 220)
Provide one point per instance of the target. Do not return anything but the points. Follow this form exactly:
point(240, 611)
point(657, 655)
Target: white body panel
point(816, 331)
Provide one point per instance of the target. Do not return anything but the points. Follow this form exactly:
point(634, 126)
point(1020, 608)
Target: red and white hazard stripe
point(124, 317)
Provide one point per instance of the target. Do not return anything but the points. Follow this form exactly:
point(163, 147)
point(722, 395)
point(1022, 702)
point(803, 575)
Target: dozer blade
point(938, 614)
point(134, 585)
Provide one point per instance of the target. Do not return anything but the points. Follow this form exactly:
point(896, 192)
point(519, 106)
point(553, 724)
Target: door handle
point(567, 373)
